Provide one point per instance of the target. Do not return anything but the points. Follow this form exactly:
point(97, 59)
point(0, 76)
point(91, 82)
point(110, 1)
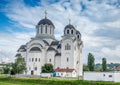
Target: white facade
point(66, 73)
point(102, 76)
point(44, 48)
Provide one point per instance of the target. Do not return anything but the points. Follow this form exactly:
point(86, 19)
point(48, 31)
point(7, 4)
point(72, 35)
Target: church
point(65, 55)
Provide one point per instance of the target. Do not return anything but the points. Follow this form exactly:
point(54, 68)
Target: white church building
point(65, 54)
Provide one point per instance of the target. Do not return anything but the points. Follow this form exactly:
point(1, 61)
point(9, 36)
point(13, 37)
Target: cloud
point(98, 22)
point(113, 55)
point(9, 43)
point(111, 33)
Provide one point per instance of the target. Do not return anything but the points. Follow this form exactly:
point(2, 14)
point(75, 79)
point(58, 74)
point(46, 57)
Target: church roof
point(22, 48)
point(17, 55)
point(51, 49)
point(58, 54)
point(64, 70)
point(45, 42)
point(77, 32)
point(59, 46)
point(69, 26)
point(45, 21)
point(35, 49)
point(55, 43)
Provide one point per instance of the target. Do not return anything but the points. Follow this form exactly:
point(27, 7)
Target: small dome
point(69, 26)
point(45, 21)
point(77, 32)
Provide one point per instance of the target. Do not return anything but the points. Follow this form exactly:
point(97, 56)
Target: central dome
point(45, 21)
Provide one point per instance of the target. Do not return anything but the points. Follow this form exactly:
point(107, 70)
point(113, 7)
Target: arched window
point(39, 59)
point(71, 31)
point(41, 29)
point(67, 31)
point(49, 60)
point(37, 30)
point(35, 59)
point(32, 59)
point(35, 68)
point(45, 28)
point(67, 47)
point(50, 30)
point(78, 36)
point(67, 59)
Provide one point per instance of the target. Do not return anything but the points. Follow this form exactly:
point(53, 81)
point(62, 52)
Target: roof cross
point(69, 21)
point(45, 13)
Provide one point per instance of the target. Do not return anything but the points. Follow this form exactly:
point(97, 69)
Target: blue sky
point(97, 20)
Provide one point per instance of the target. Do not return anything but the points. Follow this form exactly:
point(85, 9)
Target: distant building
point(102, 76)
point(118, 68)
point(44, 48)
point(65, 72)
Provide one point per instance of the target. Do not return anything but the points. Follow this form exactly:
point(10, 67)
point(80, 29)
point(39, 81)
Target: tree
point(6, 70)
point(85, 68)
point(47, 68)
point(91, 62)
point(104, 66)
point(19, 66)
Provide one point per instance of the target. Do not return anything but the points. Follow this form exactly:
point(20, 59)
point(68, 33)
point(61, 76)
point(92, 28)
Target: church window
point(39, 59)
point(35, 68)
point(37, 30)
point(110, 75)
point(41, 29)
point(35, 59)
point(71, 31)
point(77, 62)
point(45, 28)
point(67, 31)
point(49, 60)
point(78, 36)
point(32, 59)
point(67, 59)
point(50, 30)
point(67, 47)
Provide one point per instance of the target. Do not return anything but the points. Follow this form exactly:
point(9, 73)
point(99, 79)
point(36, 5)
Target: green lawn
point(46, 81)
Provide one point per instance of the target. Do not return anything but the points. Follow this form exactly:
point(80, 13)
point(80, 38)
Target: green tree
point(91, 62)
point(6, 70)
point(19, 66)
point(47, 68)
point(85, 68)
point(104, 65)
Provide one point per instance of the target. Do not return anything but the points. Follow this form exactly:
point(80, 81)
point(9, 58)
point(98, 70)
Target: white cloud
point(95, 15)
point(9, 43)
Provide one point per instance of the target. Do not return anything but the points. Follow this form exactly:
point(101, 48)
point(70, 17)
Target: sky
point(97, 20)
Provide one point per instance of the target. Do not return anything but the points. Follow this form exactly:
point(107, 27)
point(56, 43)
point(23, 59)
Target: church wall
point(67, 54)
point(67, 59)
point(51, 57)
point(57, 62)
point(34, 60)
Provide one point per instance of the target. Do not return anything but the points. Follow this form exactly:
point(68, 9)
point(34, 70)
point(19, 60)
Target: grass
point(46, 81)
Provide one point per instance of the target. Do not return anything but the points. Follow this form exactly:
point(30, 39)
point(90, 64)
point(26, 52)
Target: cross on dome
point(69, 21)
point(45, 13)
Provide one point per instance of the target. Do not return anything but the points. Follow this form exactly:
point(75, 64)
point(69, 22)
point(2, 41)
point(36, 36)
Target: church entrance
point(32, 72)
